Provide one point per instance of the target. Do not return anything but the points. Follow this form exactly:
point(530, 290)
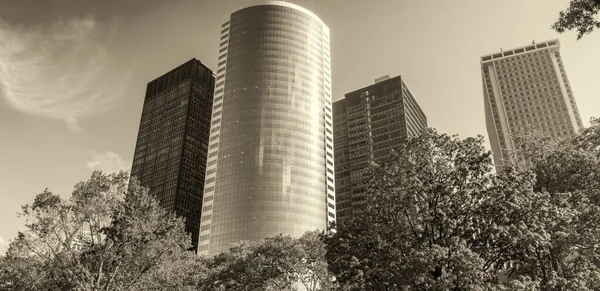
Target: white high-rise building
point(526, 88)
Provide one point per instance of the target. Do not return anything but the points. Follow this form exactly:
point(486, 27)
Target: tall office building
point(270, 161)
point(172, 143)
point(523, 89)
point(367, 124)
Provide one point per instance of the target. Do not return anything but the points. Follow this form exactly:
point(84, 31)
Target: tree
point(561, 165)
point(20, 273)
point(589, 138)
point(312, 269)
point(580, 15)
point(437, 218)
point(568, 175)
point(417, 225)
point(275, 263)
point(528, 233)
point(107, 236)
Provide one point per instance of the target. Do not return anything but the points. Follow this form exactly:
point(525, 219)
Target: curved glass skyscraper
point(270, 154)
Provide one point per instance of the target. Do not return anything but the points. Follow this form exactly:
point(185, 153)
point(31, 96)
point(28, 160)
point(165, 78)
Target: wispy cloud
point(108, 162)
point(62, 70)
point(73, 125)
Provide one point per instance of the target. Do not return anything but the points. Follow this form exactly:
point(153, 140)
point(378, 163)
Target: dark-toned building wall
point(172, 143)
point(369, 123)
point(340, 146)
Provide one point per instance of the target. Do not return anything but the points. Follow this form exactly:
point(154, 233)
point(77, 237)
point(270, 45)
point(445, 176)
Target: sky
point(73, 72)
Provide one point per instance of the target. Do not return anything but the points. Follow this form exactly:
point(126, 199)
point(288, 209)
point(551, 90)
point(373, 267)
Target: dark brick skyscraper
point(367, 124)
point(172, 142)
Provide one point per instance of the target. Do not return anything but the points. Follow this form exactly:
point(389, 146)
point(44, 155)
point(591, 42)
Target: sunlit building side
point(270, 157)
point(526, 89)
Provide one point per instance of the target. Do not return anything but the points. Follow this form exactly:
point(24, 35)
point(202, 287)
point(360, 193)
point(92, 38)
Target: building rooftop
point(520, 50)
point(284, 3)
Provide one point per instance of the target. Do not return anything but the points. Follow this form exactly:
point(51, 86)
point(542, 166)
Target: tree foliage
point(275, 263)
point(417, 227)
point(114, 236)
point(437, 218)
point(568, 174)
point(105, 237)
point(581, 15)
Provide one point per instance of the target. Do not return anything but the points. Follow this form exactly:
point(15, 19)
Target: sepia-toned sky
point(73, 72)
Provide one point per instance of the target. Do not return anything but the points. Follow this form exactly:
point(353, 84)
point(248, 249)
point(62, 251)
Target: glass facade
point(527, 89)
point(270, 162)
point(369, 123)
point(172, 143)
